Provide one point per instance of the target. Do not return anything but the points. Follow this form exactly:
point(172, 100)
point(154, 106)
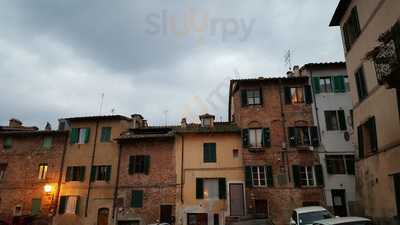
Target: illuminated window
point(42, 171)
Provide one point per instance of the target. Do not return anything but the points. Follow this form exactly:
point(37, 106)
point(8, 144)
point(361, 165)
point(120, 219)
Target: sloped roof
point(339, 12)
point(104, 117)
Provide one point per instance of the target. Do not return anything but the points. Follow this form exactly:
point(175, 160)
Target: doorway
point(197, 219)
point(102, 216)
point(339, 202)
point(36, 202)
point(261, 208)
point(236, 199)
point(396, 179)
point(166, 214)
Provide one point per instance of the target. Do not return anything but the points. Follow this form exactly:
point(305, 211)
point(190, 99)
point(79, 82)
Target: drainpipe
point(117, 183)
point(182, 175)
point(284, 153)
point(60, 175)
point(90, 168)
point(316, 108)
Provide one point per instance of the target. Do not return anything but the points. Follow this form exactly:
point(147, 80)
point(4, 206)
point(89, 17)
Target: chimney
point(289, 73)
point(145, 123)
point(296, 70)
point(14, 123)
point(47, 127)
point(183, 123)
point(137, 121)
point(207, 120)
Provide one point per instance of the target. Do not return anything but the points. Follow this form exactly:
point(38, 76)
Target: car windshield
point(356, 223)
point(311, 217)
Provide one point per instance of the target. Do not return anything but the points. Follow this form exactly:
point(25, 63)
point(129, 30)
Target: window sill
point(252, 105)
point(256, 149)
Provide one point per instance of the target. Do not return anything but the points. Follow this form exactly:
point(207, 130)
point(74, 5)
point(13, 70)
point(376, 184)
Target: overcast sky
point(162, 59)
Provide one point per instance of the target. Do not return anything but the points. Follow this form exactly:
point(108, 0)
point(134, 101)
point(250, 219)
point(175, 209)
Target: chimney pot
point(14, 123)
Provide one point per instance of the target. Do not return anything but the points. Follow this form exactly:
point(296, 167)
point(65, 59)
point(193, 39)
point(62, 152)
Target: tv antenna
point(101, 103)
point(166, 117)
point(288, 59)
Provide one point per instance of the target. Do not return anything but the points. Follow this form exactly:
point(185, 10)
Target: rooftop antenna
point(288, 59)
point(237, 74)
point(166, 117)
point(101, 103)
point(112, 111)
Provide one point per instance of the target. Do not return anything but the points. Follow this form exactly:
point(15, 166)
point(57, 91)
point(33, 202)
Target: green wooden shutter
point(372, 130)
point(78, 205)
point(105, 134)
point(288, 95)
point(342, 120)
point(316, 85)
point(63, 204)
point(74, 135)
point(206, 152)
point(360, 142)
point(7, 142)
point(36, 202)
point(222, 188)
point(266, 141)
point(199, 188)
point(146, 162)
point(137, 199)
point(319, 176)
point(108, 174)
point(308, 94)
point(338, 82)
point(296, 175)
point(87, 134)
point(68, 176)
point(243, 97)
point(270, 177)
point(213, 152)
point(292, 136)
point(248, 177)
point(245, 138)
point(131, 168)
point(47, 142)
point(93, 173)
point(261, 96)
point(314, 136)
point(81, 173)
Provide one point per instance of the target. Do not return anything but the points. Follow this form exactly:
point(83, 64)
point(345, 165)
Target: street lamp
point(48, 189)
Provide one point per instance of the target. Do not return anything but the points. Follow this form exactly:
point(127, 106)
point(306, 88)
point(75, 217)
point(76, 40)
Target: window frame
point(296, 92)
point(254, 95)
point(105, 135)
point(255, 131)
point(257, 182)
point(43, 170)
point(205, 188)
point(307, 178)
point(337, 118)
point(210, 150)
point(323, 87)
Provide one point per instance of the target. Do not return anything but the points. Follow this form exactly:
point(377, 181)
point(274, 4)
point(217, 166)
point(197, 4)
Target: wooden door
point(102, 216)
point(197, 219)
point(236, 199)
point(166, 214)
point(339, 202)
point(36, 206)
point(261, 208)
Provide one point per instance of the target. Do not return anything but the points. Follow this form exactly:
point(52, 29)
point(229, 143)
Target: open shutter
point(292, 136)
point(270, 177)
point(87, 135)
point(360, 142)
point(338, 82)
point(261, 96)
point(78, 205)
point(308, 94)
point(266, 141)
point(248, 177)
point(296, 175)
point(74, 135)
point(319, 176)
point(245, 138)
point(81, 173)
point(372, 131)
point(146, 164)
point(63, 204)
point(199, 188)
point(288, 96)
point(243, 97)
point(206, 152)
point(342, 120)
point(108, 174)
point(68, 176)
point(316, 85)
point(222, 188)
point(131, 168)
point(314, 136)
point(93, 173)
point(213, 152)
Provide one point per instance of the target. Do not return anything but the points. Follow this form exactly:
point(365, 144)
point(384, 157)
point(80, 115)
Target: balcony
point(386, 58)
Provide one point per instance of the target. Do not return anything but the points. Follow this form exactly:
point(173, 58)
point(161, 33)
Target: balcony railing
point(386, 58)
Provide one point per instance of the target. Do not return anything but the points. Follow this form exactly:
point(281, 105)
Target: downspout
point(284, 153)
point(60, 175)
point(90, 168)
point(117, 183)
point(316, 108)
point(182, 171)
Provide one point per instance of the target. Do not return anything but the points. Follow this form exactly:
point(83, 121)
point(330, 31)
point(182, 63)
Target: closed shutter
point(87, 134)
point(108, 173)
point(68, 176)
point(316, 85)
point(248, 176)
point(213, 152)
point(266, 141)
point(308, 94)
point(63, 204)
point(292, 136)
point(146, 162)
point(105, 134)
point(81, 173)
point(131, 168)
point(342, 120)
point(360, 142)
point(261, 96)
point(137, 199)
point(270, 177)
point(245, 138)
point(47, 142)
point(296, 176)
point(243, 97)
point(338, 82)
point(199, 188)
point(74, 135)
point(78, 205)
point(222, 188)
point(372, 131)
point(314, 136)
point(36, 203)
point(319, 175)
point(93, 173)
point(288, 96)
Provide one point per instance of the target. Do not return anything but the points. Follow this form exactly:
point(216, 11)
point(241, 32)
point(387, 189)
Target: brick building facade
point(278, 134)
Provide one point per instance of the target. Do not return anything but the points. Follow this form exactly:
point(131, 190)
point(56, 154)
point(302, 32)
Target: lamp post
point(49, 190)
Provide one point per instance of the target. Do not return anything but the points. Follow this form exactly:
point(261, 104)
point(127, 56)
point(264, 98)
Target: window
point(297, 95)
point(351, 29)
point(47, 142)
point(256, 137)
point(307, 176)
point(137, 199)
point(3, 167)
point(42, 171)
point(7, 143)
point(210, 188)
point(79, 135)
point(367, 137)
point(100, 173)
point(335, 120)
point(346, 83)
point(69, 205)
point(105, 134)
point(75, 173)
point(325, 84)
point(335, 164)
point(303, 136)
point(209, 152)
point(139, 164)
point(360, 83)
point(337, 84)
point(251, 97)
point(259, 176)
point(350, 165)
point(235, 153)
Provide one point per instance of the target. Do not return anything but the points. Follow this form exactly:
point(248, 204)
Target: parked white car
point(308, 215)
point(345, 221)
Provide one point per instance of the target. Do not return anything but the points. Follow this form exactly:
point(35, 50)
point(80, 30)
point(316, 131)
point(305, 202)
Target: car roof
point(337, 220)
point(309, 209)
